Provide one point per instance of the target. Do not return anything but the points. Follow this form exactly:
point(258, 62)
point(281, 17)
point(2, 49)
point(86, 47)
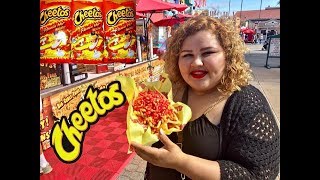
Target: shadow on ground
point(259, 59)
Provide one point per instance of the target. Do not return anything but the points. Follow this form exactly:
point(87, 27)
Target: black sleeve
point(250, 137)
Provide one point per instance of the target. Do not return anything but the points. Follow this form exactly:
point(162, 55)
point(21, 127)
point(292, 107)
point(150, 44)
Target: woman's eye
point(208, 53)
point(187, 55)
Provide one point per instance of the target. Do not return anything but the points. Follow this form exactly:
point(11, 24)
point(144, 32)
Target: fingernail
point(161, 132)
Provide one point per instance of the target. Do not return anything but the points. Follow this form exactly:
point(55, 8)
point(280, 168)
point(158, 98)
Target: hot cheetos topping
point(152, 109)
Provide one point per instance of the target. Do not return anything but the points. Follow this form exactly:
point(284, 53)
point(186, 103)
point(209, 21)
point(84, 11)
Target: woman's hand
point(169, 156)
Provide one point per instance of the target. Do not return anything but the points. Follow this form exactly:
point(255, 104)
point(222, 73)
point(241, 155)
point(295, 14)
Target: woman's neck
point(208, 93)
point(207, 103)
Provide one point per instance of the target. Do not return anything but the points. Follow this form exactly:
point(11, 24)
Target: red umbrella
point(152, 6)
point(139, 15)
point(170, 21)
point(248, 31)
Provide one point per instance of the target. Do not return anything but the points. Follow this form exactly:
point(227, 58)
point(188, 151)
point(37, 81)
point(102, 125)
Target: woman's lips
point(198, 74)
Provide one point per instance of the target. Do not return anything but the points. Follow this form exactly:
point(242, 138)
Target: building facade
point(266, 22)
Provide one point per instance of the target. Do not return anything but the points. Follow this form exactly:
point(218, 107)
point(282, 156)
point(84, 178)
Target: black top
point(201, 139)
point(250, 140)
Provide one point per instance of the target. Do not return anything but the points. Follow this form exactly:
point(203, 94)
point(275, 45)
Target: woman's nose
point(197, 61)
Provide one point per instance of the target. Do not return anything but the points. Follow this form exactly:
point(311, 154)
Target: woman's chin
point(200, 86)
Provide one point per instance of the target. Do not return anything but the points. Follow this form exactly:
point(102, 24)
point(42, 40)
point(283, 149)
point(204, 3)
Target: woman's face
point(202, 61)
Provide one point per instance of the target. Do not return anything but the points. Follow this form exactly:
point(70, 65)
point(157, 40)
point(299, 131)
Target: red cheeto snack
point(120, 31)
point(87, 31)
point(152, 109)
point(54, 31)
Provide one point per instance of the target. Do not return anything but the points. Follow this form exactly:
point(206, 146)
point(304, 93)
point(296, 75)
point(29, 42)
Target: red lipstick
point(198, 74)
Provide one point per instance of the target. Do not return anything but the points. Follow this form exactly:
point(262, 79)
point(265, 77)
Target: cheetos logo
point(55, 12)
point(90, 13)
point(115, 15)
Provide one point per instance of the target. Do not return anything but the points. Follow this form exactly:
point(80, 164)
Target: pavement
point(266, 80)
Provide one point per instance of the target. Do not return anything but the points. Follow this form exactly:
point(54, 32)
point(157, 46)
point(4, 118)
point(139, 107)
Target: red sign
point(46, 123)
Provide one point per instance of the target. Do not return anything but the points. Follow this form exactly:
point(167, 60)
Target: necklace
point(214, 105)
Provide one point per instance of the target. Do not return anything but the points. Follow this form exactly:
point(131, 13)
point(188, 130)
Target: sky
point(235, 5)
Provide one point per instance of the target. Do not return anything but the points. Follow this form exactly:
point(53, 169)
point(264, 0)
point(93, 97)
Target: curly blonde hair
point(237, 72)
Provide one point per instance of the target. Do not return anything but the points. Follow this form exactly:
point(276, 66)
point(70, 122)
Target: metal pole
point(267, 65)
point(241, 12)
point(260, 9)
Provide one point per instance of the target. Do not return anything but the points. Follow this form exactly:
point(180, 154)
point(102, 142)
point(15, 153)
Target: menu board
point(274, 49)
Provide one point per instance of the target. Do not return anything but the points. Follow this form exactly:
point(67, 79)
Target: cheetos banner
point(87, 31)
point(55, 31)
point(64, 102)
point(120, 31)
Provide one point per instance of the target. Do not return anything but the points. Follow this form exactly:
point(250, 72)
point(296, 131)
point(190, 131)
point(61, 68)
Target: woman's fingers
point(147, 150)
point(147, 157)
point(165, 139)
point(163, 157)
point(147, 153)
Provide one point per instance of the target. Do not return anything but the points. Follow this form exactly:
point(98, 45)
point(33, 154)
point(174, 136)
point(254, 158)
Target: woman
point(232, 133)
